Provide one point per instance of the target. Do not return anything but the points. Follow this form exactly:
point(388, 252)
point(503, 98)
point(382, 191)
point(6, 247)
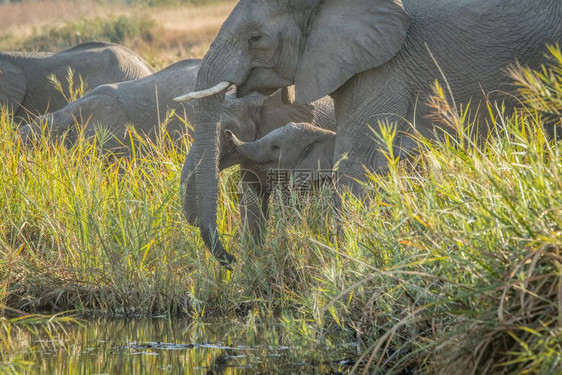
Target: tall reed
point(451, 261)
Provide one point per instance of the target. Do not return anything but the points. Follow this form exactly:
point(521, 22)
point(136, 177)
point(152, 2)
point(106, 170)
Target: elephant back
point(149, 100)
point(102, 63)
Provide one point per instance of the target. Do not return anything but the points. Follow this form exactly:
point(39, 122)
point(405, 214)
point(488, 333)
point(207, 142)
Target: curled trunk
point(255, 151)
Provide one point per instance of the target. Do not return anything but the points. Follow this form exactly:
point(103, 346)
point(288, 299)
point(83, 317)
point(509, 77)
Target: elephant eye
point(275, 147)
point(254, 38)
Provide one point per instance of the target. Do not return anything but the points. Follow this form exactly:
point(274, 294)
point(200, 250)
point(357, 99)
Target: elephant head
point(265, 45)
point(294, 146)
point(255, 115)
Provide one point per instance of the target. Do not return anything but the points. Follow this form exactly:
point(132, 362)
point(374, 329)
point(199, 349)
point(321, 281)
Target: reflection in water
point(162, 346)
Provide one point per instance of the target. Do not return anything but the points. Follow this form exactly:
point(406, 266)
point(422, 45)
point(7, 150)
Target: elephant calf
point(296, 148)
point(296, 153)
point(26, 90)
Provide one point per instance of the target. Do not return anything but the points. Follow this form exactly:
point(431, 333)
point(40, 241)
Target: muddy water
point(163, 346)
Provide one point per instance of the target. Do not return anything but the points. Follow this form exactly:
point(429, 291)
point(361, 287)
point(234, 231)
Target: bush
point(114, 29)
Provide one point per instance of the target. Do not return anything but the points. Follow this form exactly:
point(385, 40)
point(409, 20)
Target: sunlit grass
point(162, 34)
point(452, 261)
point(77, 87)
point(13, 324)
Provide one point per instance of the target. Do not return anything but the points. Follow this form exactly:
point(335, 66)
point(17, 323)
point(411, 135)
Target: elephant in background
point(378, 59)
point(143, 103)
point(27, 91)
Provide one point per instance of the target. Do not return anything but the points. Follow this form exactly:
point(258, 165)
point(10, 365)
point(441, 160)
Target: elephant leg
point(254, 207)
point(363, 153)
point(359, 146)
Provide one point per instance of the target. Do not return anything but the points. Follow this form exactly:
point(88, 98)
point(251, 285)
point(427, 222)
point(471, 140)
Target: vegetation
point(142, 2)
point(11, 358)
point(119, 29)
point(453, 259)
point(161, 34)
point(153, 3)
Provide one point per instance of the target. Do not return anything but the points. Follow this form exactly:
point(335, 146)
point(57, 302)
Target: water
point(163, 346)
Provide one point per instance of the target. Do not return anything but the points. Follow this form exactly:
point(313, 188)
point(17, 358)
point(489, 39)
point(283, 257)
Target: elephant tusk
point(232, 138)
point(204, 93)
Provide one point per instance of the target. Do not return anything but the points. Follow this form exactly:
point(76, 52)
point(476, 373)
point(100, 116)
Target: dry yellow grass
point(187, 31)
point(190, 30)
point(182, 31)
point(24, 18)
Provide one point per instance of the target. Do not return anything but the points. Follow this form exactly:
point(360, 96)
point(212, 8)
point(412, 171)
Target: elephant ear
point(13, 85)
point(346, 38)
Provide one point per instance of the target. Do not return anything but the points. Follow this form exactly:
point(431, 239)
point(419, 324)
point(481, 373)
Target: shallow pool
point(171, 346)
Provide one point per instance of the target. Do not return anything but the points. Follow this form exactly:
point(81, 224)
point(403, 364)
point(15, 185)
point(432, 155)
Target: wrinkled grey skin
point(24, 84)
point(143, 103)
point(372, 57)
point(295, 146)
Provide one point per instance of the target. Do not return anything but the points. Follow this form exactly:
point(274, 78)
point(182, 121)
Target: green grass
point(452, 261)
point(12, 360)
point(116, 29)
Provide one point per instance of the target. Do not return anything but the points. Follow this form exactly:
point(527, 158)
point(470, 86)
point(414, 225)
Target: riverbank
point(452, 261)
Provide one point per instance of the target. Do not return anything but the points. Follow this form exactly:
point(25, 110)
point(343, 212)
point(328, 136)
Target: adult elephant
point(372, 56)
point(26, 89)
point(141, 103)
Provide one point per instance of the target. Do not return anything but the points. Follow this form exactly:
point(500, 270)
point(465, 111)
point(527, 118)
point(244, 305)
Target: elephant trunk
point(199, 181)
point(255, 151)
point(34, 127)
point(230, 137)
point(222, 66)
point(200, 178)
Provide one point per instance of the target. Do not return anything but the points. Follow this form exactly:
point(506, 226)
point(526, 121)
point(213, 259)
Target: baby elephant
point(295, 147)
